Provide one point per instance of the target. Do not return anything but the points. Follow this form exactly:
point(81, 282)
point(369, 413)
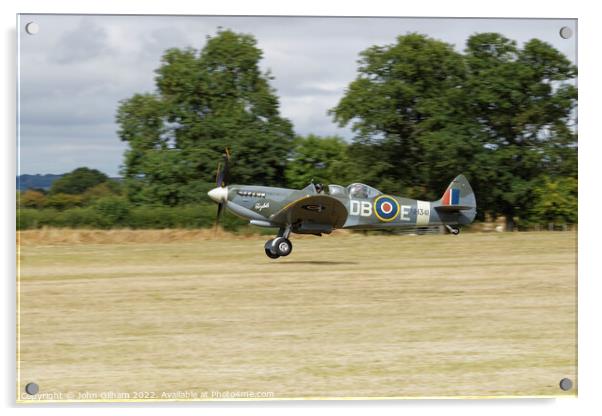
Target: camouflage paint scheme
point(358, 207)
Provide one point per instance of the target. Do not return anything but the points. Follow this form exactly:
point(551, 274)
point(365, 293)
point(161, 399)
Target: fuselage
point(367, 207)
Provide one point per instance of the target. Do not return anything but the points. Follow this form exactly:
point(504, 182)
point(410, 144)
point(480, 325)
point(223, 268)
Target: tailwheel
point(269, 251)
point(282, 246)
point(453, 230)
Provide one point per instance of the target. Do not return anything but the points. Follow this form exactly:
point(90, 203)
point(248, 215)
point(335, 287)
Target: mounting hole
point(32, 388)
point(32, 28)
point(566, 384)
point(566, 32)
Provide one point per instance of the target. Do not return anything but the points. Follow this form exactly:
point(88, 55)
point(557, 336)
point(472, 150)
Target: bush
point(28, 218)
point(72, 218)
point(187, 216)
point(116, 212)
point(31, 199)
point(86, 217)
point(64, 201)
point(112, 211)
point(554, 202)
point(102, 190)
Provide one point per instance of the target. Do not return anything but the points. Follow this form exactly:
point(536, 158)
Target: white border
point(590, 272)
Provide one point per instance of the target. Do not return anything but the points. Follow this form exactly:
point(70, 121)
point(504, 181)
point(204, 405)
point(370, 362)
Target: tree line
point(420, 111)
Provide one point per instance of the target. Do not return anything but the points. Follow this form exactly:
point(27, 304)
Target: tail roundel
point(458, 196)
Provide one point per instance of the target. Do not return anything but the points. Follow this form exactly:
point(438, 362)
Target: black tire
point(455, 231)
point(282, 246)
point(271, 255)
point(269, 250)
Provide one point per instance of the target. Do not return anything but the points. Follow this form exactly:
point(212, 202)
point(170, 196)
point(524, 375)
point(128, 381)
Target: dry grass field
point(146, 315)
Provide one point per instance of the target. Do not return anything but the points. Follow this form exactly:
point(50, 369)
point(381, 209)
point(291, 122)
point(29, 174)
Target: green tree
point(525, 108)
point(321, 159)
point(78, 181)
point(205, 101)
point(31, 199)
point(398, 97)
point(502, 115)
point(555, 202)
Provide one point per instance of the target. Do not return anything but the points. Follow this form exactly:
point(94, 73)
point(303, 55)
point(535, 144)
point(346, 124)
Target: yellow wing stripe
point(287, 206)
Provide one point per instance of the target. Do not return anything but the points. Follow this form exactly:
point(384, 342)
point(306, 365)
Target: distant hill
point(26, 181)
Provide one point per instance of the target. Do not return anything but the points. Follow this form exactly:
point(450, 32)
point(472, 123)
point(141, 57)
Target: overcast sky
point(75, 70)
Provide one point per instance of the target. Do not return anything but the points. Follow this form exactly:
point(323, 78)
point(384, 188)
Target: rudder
point(459, 198)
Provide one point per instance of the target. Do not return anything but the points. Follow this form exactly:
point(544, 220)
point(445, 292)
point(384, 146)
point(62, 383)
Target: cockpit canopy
point(355, 190)
point(362, 191)
point(337, 190)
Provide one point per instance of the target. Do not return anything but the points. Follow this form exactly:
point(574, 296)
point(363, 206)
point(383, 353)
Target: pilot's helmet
point(319, 188)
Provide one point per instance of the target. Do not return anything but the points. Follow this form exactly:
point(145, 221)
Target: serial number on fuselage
point(365, 209)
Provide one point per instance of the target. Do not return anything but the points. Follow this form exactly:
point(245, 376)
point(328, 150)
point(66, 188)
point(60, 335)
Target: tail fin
point(458, 198)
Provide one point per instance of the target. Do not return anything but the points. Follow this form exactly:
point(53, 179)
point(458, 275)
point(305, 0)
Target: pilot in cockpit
point(358, 190)
point(319, 188)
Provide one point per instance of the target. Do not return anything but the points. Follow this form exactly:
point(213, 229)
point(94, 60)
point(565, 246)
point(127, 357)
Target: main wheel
point(269, 250)
point(455, 231)
point(271, 255)
point(282, 246)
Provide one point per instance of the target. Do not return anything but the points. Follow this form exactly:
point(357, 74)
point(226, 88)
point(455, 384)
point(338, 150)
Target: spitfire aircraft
point(319, 210)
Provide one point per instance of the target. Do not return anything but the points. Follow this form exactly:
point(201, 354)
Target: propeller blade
point(220, 210)
point(226, 168)
point(221, 178)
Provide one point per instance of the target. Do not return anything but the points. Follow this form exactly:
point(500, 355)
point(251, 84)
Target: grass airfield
point(157, 314)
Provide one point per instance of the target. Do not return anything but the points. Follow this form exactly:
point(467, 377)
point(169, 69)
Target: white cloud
point(77, 68)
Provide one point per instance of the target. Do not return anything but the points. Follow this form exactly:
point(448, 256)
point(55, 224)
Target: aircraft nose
point(219, 194)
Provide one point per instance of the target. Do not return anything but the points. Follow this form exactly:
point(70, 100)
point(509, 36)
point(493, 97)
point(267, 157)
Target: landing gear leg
point(453, 230)
point(282, 245)
point(284, 232)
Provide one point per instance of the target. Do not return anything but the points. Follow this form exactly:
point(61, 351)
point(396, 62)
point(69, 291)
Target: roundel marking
point(386, 208)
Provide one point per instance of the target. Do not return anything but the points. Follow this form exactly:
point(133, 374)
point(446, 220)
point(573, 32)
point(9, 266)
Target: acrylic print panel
point(175, 173)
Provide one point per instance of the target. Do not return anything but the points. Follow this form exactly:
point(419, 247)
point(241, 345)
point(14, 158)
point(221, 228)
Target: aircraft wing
point(314, 209)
